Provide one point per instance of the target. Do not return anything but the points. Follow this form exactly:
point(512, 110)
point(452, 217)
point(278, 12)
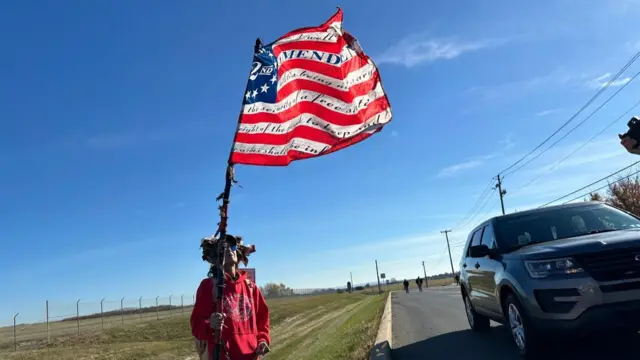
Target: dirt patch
point(283, 330)
point(311, 345)
point(298, 340)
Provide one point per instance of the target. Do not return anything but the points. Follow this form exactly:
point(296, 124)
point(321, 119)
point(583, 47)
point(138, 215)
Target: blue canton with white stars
point(263, 80)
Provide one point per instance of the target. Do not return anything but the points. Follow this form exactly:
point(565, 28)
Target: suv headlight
point(542, 268)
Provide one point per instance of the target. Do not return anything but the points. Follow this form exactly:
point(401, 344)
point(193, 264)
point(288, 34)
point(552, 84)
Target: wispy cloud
point(377, 246)
point(604, 80)
point(394, 134)
point(506, 91)
point(547, 112)
point(134, 138)
point(418, 49)
point(460, 167)
point(125, 140)
point(507, 142)
point(465, 165)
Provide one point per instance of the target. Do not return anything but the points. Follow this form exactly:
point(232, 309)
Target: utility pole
point(501, 192)
point(446, 234)
point(426, 282)
point(378, 275)
point(351, 276)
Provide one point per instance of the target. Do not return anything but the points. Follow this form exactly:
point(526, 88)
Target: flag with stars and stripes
point(311, 92)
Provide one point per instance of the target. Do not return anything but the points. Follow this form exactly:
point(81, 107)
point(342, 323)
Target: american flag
point(311, 92)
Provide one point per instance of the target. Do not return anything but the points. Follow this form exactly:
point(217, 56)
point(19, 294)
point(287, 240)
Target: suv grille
point(612, 265)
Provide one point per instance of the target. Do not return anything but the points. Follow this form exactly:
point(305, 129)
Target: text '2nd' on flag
point(311, 92)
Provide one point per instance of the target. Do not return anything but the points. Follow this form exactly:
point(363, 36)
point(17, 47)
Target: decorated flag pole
point(221, 234)
point(311, 92)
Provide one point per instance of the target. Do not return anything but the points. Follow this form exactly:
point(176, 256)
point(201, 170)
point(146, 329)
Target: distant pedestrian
point(457, 279)
point(419, 283)
point(405, 283)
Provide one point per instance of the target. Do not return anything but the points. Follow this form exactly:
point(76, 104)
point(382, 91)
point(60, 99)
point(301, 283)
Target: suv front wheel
point(523, 334)
point(477, 322)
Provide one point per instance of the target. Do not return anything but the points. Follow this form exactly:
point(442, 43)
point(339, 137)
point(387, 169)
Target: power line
point(593, 98)
point(482, 208)
point(441, 257)
point(602, 187)
point(593, 183)
point(581, 146)
point(477, 211)
point(463, 242)
point(473, 208)
point(490, 208)
point(575, 127)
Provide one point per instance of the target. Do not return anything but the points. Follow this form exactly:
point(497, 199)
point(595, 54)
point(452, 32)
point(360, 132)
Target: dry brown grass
point(441, 282)
point(341, 325)
point(33, 335)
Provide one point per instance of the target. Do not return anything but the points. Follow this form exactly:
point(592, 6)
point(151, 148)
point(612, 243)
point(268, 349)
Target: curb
point(381, 349)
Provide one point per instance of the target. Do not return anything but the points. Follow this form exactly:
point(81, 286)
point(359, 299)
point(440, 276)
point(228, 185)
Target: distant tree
point(274, 289)
point(623, 193)
point(595, 197)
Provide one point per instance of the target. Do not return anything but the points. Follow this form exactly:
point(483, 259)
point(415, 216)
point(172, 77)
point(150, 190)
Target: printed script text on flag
point(310, 93)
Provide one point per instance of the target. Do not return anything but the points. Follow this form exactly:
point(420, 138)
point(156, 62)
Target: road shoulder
point(382, 347)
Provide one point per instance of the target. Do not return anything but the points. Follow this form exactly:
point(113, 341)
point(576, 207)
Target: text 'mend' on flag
point(311, 92)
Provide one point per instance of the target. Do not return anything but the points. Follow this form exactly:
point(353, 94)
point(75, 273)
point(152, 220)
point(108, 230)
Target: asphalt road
point(432, 325)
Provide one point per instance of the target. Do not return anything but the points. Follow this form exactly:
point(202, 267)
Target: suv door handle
point(477, 265)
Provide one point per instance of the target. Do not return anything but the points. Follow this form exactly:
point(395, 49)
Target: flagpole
point(221, 234)
point(222, 247)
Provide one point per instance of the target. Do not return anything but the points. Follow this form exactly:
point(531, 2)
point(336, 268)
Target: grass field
point(330, 326)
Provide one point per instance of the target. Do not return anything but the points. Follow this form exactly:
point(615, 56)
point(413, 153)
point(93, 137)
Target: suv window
point(474, 240)
point(560, 223)
point(477, 237)
point(488, 238)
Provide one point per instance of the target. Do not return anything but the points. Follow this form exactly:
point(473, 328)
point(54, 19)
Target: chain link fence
point(82, 317)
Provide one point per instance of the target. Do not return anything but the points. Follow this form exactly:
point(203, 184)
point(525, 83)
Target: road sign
point(251, 274)
point(382, 276)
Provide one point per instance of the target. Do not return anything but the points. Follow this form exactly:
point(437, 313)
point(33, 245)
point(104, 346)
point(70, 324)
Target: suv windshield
point(517, 231)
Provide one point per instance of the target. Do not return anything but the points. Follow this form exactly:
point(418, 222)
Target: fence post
point(170, 305)
point(102, 314)
point(378, 275)
point(140, 306)
point(78, 315)
point(182, 303)
point(46, 309)
point(157, 314)
point(122, 311)
point(15, 339)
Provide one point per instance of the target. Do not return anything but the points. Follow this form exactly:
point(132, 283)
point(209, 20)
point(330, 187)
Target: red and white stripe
point(320, 107)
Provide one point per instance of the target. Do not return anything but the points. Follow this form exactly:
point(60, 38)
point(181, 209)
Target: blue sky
point(116, 119)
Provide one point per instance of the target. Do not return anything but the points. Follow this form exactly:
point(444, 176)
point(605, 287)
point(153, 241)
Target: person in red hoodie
point(245, 318)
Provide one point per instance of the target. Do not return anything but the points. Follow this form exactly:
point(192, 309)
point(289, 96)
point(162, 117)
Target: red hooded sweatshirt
point(247, 321)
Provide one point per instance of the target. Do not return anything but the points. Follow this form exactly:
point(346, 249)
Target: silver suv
point(569, 268)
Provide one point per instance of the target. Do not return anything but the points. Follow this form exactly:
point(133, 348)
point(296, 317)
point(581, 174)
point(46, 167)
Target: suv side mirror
point(479, 251)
